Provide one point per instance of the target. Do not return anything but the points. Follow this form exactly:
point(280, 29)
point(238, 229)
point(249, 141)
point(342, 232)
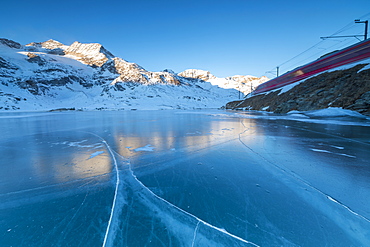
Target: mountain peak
point(52, 44)
point(89, 53)
point(49, 45)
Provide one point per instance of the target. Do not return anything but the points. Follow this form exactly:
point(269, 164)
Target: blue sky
point(226, 37)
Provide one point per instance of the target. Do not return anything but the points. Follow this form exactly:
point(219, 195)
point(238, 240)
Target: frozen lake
point(184, 178)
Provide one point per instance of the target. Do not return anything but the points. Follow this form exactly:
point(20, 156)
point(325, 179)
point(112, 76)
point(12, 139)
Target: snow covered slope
point(50, 75)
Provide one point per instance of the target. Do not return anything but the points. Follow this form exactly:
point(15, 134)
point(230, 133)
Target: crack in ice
point(195, 234)
point(115, 191)
point(187, 213)
point(300, 179)
point(158, 197)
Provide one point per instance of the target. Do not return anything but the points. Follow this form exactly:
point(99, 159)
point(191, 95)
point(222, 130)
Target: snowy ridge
point(243, 83)
point(50, 75)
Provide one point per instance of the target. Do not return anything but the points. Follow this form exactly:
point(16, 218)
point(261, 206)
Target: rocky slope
point(347, 87)
point(50, 75)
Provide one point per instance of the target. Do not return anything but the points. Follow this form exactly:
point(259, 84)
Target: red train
point(354, 53)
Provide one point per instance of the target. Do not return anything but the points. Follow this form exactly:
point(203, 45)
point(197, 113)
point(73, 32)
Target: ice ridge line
point(189, 214)
point(115, 191)
point(195, 234)
point(346, 207)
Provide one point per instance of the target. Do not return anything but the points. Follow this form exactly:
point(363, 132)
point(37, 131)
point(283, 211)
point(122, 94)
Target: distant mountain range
point(50, 75)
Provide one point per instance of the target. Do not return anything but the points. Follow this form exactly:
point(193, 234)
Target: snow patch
point(334, 112)
point(320, 150)
point(347, 155)
point(337, 147)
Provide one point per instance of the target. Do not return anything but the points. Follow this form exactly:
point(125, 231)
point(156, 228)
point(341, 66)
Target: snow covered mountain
point(50, 75)
point(243, 83)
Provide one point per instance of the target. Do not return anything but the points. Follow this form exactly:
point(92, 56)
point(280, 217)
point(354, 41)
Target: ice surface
point(210, 178)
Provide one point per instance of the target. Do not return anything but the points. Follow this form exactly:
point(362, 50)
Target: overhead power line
point(341, 44)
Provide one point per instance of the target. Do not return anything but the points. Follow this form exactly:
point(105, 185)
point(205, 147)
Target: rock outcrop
point(34, 58)
point(10, 43)
point(245, 79)
point(131, 72)
point(91, 54)
point(347, 89)
point(50, 44)
point(197, 74)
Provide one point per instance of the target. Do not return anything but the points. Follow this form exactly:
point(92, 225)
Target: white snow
point(326, 151)
point(334, 112)
point(320, 150)
point(337, 147)
point(332, 115)
point(347, 155)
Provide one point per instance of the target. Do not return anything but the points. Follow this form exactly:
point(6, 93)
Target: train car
point(351, 54)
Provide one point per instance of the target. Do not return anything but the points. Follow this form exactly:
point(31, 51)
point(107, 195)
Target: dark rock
point(30, 85)
point(10, 43)
point(33, 58)
point(6, 65)
point(362, 104)
point(119, 87)
point(57, 51)
point(38, 86)
point(169, 71)
point(63, 109)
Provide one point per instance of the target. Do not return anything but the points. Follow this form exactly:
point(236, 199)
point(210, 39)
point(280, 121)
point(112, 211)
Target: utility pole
point(366, 25)
point(277, 71)
point(355, 36)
